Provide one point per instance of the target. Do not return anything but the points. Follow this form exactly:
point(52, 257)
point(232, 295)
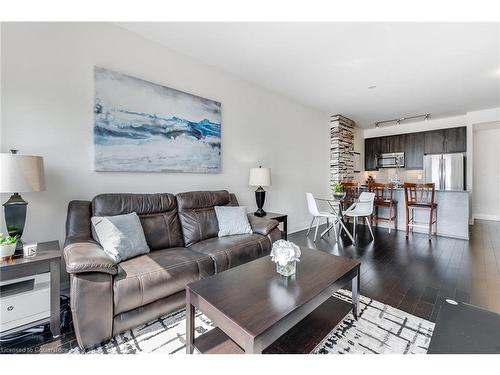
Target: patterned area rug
point(380, 329)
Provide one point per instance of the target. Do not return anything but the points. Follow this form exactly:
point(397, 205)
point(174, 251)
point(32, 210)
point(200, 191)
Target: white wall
point(486, 171)
point(47, 97)
point(476, 120)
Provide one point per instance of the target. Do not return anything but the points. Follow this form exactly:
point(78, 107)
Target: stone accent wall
point(341, 148)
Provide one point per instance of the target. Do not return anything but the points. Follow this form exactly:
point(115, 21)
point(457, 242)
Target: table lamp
point(19, 174)
point(260, 177)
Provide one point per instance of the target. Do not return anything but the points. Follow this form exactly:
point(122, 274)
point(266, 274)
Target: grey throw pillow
point(121, 236)
point(232, 220)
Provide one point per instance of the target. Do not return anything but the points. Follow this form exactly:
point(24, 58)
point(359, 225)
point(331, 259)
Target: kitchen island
point(452, 213)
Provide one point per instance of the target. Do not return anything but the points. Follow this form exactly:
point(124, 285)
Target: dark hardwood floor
point(412, 274)
point(416, 275)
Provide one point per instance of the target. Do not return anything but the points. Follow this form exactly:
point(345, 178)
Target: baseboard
point(486, 217)
point(305, 225)
point(299, 227)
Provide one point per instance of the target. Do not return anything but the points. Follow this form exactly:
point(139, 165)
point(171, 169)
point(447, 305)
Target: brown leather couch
point(181, 231)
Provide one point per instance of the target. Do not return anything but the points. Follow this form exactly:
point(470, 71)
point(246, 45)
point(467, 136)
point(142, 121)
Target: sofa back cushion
point(197, 213)
point(157, 212)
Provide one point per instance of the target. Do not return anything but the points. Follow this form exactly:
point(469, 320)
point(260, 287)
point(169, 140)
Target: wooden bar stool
point(420, 197)
point(351, 190)
point(384, 194)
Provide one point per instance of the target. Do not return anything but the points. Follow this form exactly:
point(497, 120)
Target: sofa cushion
point(231, 251)
point(197, 214)
point(232, 220)
point(157, 212)
point(121, 236)
point(156, 275)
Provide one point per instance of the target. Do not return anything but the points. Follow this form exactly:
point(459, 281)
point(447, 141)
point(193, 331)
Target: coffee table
point(252, 305)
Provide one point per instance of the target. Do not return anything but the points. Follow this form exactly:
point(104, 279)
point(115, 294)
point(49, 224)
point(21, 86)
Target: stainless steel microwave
point(391, 160)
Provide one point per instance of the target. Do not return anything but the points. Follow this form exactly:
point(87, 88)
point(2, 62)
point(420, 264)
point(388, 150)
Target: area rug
point(380, 329)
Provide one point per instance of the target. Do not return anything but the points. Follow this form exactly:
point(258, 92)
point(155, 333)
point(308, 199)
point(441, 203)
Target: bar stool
point(420, 197)
point(384, 194)
point(351, 190)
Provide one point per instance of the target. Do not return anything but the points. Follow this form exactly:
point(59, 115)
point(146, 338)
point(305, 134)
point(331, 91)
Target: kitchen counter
point(452, 213)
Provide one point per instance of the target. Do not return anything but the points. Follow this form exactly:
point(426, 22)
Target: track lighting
point(397, 121)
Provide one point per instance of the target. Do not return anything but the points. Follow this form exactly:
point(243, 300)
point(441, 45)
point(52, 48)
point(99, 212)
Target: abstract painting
point(140, 126)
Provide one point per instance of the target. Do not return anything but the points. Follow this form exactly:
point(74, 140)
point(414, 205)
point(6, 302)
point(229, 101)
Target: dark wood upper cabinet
point(434, 142)
point(372, 147)
point(455, 140)
point(392, 143)
point(414, 150)
point(383, 145)
point(397, 143)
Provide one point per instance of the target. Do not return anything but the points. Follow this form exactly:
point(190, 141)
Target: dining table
point(336, 203)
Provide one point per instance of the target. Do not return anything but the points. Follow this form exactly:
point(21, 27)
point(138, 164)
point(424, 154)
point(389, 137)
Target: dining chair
point(312, 207)
point(362, 208)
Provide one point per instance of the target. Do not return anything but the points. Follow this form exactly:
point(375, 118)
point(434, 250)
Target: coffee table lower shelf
point(301, 339)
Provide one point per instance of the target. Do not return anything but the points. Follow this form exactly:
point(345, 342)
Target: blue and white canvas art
point(140, 126)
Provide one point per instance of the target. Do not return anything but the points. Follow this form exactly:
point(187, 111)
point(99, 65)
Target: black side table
point(281, 218)
point(47, 259)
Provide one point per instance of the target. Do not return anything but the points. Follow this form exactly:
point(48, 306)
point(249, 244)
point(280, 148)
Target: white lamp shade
point(260, 177)
point(21, 173)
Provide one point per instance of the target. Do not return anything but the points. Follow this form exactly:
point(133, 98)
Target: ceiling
point(440, 68)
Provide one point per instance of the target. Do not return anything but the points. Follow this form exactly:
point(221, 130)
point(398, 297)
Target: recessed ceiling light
point(372, 86)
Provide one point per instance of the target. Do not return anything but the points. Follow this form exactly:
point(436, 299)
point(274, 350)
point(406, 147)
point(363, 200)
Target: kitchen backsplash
point(388, 174)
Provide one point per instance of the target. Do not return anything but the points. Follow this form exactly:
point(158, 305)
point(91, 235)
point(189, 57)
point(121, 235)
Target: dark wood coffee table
point(253, 306)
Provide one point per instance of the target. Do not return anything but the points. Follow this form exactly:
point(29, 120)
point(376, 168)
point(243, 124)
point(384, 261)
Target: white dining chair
point(317, 215)
point(362, 208)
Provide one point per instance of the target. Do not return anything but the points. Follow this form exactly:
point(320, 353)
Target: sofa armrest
point(87, 256)
point(262, 225)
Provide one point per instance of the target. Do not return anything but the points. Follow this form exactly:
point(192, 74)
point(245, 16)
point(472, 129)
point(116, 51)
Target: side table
point(281, 218)
point(47, 259)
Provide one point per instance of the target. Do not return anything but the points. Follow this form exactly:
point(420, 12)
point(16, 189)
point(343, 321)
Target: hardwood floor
point(416, 275)
point(412, 274)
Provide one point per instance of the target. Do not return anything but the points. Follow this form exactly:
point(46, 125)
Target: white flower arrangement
point(284, 252)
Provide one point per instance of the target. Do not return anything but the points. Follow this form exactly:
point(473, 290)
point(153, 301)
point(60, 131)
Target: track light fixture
point(398, 121)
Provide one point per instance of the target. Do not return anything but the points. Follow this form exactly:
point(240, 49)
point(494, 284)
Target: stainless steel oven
point(391, 160)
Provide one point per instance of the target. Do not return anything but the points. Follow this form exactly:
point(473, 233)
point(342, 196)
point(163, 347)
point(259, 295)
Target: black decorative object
point(260, 177)
point(15, 217)
point(260, 197)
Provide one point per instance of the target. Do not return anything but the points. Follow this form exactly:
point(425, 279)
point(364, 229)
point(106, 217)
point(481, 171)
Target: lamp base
point(260, 197)
point(260, 212)
point(15, 218)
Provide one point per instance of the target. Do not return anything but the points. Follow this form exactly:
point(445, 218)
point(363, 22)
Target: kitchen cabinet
point(392, 143)
point(372, 149)
point(434, 142)
point(414, 150)
point(455, 140)
point(415, 146)
point(397, 143)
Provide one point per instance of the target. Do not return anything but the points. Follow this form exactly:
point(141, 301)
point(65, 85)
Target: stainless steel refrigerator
point(447, 171)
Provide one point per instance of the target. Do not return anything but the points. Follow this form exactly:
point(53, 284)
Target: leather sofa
point(181, 231)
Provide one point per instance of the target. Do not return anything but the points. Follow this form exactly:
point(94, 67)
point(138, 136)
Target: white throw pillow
point(232, 220)
point(121, 236)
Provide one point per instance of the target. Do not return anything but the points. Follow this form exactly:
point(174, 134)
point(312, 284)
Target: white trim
point(305, 225)
point(486, 217)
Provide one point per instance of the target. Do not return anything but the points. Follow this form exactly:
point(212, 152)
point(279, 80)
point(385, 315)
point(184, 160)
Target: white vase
point(7, 250)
